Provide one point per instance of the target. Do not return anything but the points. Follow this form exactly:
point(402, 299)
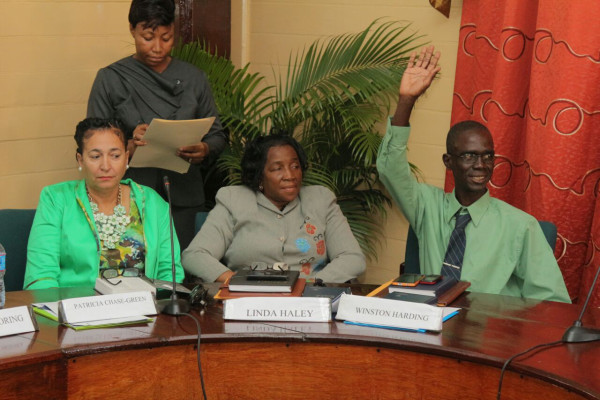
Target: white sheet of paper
point(52, 308)
point(164, 137)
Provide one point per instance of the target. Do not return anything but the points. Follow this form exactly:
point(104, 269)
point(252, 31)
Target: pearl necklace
point(110, 227)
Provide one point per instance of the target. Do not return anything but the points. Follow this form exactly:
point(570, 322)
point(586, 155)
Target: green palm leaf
point(351, 67)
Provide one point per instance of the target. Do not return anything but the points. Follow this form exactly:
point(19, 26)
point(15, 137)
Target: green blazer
point(64, 249)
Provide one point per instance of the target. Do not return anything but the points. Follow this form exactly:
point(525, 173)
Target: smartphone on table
point(409, 279)
point(431, 279)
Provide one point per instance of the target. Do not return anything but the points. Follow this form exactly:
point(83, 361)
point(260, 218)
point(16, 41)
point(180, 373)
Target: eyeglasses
point(266, 269)
point(110, 273)
point(472, 158)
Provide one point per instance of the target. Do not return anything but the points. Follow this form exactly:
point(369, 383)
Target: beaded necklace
point(110, 227)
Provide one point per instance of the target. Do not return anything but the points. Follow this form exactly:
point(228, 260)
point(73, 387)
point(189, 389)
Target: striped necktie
point(455, 252)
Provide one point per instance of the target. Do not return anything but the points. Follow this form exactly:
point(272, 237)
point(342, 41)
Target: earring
point(260, 187)
point(127, 166)
point(79, 168)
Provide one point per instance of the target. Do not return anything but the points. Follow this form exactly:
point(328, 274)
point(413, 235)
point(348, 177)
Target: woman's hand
point(194, 154)
point(137, 139)
point(224, 276)
point(138, 135)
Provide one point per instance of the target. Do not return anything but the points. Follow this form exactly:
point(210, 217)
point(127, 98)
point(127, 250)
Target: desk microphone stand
point(578, 333)
point(172, 305)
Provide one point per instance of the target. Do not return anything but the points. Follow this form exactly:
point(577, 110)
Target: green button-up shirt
point(506, 252)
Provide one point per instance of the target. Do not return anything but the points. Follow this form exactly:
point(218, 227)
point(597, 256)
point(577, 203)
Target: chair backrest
point(15, 226)
point(549, 230)
point(200, 219)
point(411, 259)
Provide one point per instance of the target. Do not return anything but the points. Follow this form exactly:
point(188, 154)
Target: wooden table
point(243, 360)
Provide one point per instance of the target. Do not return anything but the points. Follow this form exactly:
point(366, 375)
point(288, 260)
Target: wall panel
point(51, 53)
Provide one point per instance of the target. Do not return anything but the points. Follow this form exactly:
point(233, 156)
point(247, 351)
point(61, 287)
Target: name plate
point(111, 306)
point(392, 313)
point(297, 309)
point(16, 320)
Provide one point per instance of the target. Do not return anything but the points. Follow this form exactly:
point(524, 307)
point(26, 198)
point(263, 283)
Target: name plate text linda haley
point(393, 313)
point(111, 306)
point(17, 320)
point(308, 309)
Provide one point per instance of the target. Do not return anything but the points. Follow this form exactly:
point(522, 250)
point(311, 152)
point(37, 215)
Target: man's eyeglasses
point(471, 158)
point(111, 273)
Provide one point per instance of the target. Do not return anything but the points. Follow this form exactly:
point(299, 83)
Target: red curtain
point(530, 71)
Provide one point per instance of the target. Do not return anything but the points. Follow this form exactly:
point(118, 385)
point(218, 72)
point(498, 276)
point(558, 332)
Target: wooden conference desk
point(243, 360)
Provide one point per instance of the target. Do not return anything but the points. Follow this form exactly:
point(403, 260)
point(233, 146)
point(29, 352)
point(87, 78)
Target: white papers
point(16, 320)
point(409, 335)
point(308, 309)
point(164, 137)
point(51, 310)
point(111, 322)
point(449, 312)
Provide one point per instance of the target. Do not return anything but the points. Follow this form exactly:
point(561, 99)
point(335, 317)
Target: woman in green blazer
point(100, 222)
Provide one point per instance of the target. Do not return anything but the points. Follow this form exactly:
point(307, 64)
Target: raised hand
point(417, 78)
point(420, 72)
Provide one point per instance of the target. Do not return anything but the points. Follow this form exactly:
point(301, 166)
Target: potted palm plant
point(331, 98)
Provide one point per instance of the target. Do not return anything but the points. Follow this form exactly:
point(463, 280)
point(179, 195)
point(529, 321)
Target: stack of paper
point(50, 310)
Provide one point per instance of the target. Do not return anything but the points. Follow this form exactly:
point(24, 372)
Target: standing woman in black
point(151, 84)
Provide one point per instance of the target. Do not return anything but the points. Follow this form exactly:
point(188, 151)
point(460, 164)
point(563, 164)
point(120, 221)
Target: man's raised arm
point(415, 81)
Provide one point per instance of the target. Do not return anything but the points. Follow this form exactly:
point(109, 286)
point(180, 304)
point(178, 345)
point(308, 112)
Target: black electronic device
point(262, 276)
point(409, 279)
point(430, 279)
point(263, 280)
point(413, 298)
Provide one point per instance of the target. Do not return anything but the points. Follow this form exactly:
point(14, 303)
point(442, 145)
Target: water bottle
point(2, 271)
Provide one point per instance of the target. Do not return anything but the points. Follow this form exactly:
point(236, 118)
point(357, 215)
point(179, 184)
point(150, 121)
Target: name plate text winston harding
point(17, 320)
point(307, 309)
point(393, 313)
point(111, 306)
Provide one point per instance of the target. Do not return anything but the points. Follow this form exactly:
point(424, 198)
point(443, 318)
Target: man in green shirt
point(506, 251)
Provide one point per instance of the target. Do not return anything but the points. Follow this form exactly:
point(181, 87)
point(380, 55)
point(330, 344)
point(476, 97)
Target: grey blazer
point(311, 235)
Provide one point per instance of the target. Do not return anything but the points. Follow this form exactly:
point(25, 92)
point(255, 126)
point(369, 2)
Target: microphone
point(578, 333)
point(172, 305)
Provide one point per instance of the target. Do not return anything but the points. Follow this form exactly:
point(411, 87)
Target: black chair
point(411, 259)
point(200, 219)
point(550, 232)
point(15, 226)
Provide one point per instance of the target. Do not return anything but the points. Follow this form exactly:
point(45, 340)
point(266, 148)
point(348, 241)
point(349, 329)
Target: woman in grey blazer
point(273, 218)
